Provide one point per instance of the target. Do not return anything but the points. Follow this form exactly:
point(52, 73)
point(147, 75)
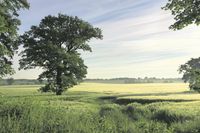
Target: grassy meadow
point(101, 108)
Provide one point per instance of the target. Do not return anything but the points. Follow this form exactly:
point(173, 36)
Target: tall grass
point(86, 112)
point(29, 115)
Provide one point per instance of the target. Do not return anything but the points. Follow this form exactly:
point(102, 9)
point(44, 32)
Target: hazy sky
point(137, 41)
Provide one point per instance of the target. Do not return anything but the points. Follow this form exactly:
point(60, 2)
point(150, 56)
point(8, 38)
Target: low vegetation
point(92, 107)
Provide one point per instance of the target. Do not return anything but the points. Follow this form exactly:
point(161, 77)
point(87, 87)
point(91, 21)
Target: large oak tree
point(55, 46)
point(8, 32)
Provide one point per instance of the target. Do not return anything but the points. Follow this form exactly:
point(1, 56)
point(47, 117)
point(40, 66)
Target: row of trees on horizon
point(12, 81)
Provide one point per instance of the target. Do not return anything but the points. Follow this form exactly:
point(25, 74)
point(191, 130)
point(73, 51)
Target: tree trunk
point(59, 88)
point(58, 92)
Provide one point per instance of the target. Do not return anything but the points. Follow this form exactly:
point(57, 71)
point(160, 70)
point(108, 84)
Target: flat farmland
point(98, 107)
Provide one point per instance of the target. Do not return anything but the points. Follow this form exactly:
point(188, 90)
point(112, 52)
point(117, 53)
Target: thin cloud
point(137, 41)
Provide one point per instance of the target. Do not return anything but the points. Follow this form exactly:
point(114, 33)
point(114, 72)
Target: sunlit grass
point(19, 90)
point(150, 91)
point(94, 107)
point(132, 88)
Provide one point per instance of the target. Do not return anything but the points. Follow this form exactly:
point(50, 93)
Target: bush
point(47, 88)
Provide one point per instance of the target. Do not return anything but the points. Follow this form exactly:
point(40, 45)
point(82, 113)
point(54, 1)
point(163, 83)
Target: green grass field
point(101, 108)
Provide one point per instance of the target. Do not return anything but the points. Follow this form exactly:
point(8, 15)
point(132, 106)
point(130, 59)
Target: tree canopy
point(186, 12)
point(191, 73)
point(55, 46)
point(8, 32)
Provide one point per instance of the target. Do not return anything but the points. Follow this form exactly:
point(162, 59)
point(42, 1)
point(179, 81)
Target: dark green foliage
point(8, 32)
point(54, 45)
point(47, 88)
point(186, 12)
point(191, 73)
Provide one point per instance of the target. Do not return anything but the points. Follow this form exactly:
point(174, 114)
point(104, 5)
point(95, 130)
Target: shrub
point(47, 88)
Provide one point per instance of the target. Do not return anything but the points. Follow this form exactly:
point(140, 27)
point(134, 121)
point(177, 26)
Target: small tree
point(191, 73)
point(8, 32)
point(54, 45)
point(186, 12)
point(10, 81)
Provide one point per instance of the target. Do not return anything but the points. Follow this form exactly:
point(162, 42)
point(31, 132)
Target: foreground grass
point(101, 108)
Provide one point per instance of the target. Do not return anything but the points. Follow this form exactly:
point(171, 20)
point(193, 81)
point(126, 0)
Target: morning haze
point(109, 66)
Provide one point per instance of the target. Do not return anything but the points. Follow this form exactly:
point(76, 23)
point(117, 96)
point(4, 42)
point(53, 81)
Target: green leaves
point(191, 73)
point(54, 46)
point(8, 32)
point(186, 12)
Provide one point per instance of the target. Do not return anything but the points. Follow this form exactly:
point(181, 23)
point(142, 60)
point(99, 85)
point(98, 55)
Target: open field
point(93, 107)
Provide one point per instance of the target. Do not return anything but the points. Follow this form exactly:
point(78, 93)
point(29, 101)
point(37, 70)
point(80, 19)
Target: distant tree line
point(136, 80)
point(11, 81)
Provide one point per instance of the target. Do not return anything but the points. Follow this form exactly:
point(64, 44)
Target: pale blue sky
point(137, 41)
